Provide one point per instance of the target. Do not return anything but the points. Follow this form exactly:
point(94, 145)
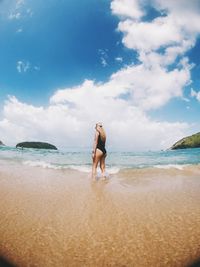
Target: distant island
point(38, 145)
point(192, 141)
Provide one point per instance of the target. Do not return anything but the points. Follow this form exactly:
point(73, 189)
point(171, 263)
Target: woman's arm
point(95, 143)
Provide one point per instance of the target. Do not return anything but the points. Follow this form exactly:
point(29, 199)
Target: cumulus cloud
point(179, 25)
point(127, 8)
point(158, 87)
point(124, 101)
point(72, 113)
point(161, 44)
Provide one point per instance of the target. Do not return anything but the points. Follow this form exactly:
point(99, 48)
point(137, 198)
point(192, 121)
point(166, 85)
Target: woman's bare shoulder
point(97, 134)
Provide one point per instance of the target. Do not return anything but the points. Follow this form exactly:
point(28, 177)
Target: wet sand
point(136, 218)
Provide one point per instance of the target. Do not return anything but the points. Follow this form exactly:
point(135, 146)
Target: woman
point(99, 151)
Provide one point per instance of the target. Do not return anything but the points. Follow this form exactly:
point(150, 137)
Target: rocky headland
point(192, 141)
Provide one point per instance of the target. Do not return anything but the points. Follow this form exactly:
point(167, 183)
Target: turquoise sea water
point(115, 161)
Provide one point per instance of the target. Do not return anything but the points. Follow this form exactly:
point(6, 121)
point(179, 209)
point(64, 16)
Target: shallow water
point(115, 161)
point(148, 217)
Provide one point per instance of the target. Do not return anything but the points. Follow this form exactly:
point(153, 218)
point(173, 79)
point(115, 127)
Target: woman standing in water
point(99, 152)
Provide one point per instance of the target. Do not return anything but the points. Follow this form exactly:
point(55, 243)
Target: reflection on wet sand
point(195, 264)
point(5, 263)
point(62, 218)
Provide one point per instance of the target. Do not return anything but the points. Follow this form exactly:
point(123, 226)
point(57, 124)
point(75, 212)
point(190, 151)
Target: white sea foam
point(81, 168)
point(42, 164)
point(170, 166)
point(113, 170)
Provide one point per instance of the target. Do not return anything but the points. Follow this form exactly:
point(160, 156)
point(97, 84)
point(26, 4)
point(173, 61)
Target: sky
point(131, 64)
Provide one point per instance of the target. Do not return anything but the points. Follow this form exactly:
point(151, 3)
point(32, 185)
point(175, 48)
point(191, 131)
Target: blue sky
point(65, 40)
point(57, 45)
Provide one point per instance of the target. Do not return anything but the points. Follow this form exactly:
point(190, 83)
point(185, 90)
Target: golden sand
point(136, 218)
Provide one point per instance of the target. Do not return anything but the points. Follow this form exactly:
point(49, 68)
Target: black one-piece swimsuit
point(101, 145)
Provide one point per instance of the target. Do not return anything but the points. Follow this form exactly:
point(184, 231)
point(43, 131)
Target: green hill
point(192, 141)
point(38, 145)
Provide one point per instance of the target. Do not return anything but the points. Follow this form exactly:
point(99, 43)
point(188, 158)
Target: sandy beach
point(148, 217)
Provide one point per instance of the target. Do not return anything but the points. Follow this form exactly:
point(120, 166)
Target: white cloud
point(17, 10)
point(159, 43)
point(104, 62)
point(175, 33)
point(127, 8)
point(23, 66)
point(163, 32)
point(72, 113)
point(148, 36)
point(156, 89)
point(122, 103)
point(103, 57)
point(119, 59)
point(16, 15)
point(195, 94)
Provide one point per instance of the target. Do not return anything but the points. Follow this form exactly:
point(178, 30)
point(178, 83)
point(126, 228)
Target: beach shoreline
point(148, 217)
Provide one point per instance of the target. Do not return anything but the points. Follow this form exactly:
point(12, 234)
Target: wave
point(42, 164)
point(171, 166)
point(81, 168)
point(87, 168)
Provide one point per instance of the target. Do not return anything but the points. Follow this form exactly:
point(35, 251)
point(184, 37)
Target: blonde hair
point(100, 129)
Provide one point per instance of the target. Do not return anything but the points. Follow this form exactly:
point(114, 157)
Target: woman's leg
point(102, 165)
point(96, 160)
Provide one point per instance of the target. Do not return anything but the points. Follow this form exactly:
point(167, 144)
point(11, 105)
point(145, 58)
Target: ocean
point(115, 161)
